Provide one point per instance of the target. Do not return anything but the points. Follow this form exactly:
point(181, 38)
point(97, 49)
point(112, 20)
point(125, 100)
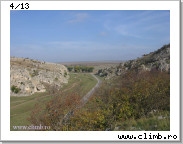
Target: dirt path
point(89, 94)
point(84, 100)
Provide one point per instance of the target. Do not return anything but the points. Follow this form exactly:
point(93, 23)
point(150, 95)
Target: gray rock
point(107, 129)
point(30, 75)
point(117, 128)
point(159, 60)
point(160, 117)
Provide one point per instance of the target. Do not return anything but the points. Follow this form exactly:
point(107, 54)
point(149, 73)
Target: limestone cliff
point(28, 76)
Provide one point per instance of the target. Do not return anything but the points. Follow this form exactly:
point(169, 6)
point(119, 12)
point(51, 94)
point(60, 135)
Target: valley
point(132, 95)
point(21, 107)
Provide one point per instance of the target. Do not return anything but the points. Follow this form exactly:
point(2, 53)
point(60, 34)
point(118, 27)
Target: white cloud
point(78, 17)
point(126, 31)
point(136, 24)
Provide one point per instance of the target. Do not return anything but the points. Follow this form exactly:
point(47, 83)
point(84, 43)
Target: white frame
point(173, 6)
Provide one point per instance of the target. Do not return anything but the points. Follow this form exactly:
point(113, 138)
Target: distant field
point(21, 107)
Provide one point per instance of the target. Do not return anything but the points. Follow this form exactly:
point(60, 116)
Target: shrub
point(133, 95)
point(65, 74)
point(22, 83)
point(14, 89)
point(76, 69)
point(35, 73)
point(51, 115)
point(70, 68)
point(53, 112)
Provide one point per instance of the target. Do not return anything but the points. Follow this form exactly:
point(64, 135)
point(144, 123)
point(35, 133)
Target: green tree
point(76, 69)
point(90, 69)
point(70, 68)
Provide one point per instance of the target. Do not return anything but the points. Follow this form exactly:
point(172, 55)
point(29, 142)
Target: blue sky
point(67, 36)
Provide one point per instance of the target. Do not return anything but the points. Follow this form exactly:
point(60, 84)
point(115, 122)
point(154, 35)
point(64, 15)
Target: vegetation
point(161, 49)
point(152, 122)
point(78, 69)
point(34, 73)
point(14, 89)
point(70, 68)
point(65, 73)
point(128, 64)
point(134, 101)
point(133, 97)
point(54, 112)
point(23, 107)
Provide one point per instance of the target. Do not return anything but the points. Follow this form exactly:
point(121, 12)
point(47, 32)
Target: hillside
point(28, 76)
point(159, 60)
point(132, 96)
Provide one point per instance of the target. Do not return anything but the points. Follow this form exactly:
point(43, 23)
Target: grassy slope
point(21, 107)
point(82, 82)
point(152, 122)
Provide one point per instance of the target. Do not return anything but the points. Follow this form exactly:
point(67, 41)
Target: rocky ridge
point(159, 60)
point(28, 76)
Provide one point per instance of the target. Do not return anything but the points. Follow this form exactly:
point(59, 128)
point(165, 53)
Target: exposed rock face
point(28, 76)
point(159, 60)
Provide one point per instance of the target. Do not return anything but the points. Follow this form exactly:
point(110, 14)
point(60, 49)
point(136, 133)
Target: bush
point(65, 74)
point(130, 96)
point(76, 69)
point(70, 68)
point(133, 95)
point(53, 112)
point(14, 89)
point(35, 73)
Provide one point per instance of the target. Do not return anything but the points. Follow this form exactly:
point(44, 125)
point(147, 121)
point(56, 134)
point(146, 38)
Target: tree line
point(78, 69)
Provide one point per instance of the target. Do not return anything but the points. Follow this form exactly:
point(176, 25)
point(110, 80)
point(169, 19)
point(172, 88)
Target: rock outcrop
point(159, 60)
point(28, 76)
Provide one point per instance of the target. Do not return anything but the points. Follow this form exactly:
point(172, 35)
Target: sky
point(87, 35)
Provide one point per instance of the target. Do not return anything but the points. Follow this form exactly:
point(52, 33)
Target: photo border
point(180, 77)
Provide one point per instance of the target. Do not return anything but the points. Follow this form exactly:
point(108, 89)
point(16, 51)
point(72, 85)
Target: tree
point(70, 68)
point(83, 68)
point(76, 69)
point(90, 69)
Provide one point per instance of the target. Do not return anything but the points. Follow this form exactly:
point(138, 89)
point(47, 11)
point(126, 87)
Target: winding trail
point(89, 94)
point(84, 100)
